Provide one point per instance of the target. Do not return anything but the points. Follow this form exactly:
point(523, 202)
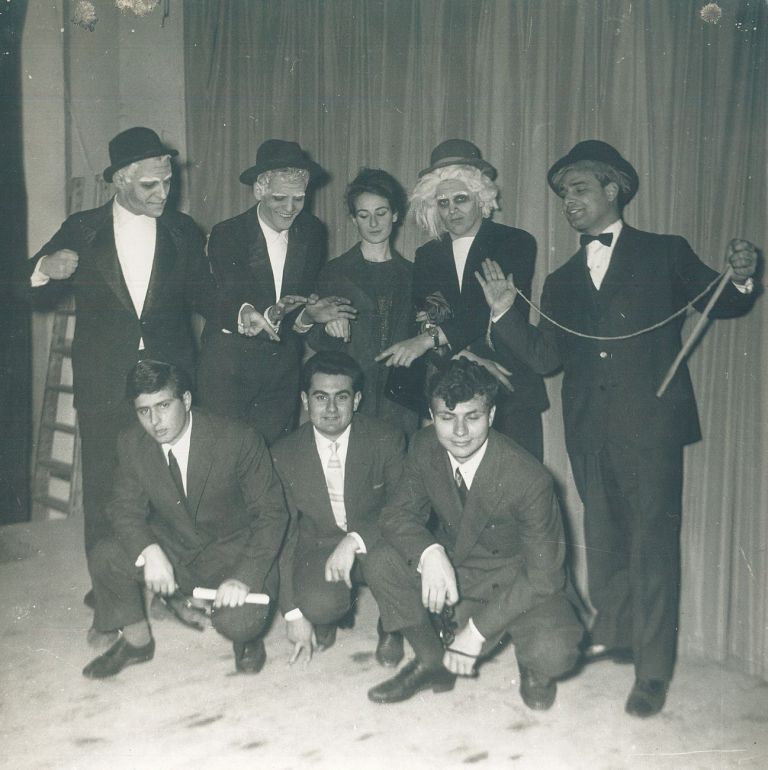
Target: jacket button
point(603, 354)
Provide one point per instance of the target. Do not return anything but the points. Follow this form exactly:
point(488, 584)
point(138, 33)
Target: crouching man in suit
point(337, 469)
point(196, 503)
point(495, 563)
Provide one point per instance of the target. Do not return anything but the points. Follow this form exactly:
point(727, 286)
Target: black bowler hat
point(134, 144)
point(458, 152)
point(277, 153)
point(594, 149)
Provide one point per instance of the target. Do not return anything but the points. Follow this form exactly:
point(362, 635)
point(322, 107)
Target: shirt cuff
point(38, 277)
point(360, 542)
point(425, 552)
point(299, 326)
point(295, 614)
point(473, 630)
point(496, 318)
point(745, 288)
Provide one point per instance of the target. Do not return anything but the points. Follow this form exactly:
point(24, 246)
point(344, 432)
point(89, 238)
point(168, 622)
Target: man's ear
point(612, 191)
point(491, 414)
point(305, 401)
point(356, 401)
point(395, 217)
point(186, 397)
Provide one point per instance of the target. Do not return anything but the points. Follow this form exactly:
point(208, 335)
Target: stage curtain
point(379, 83)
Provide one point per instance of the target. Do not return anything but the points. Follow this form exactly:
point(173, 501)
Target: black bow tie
point(605, 238)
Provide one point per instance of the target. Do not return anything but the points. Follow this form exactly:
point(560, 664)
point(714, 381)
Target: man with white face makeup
point(266, 262)
point(137, 271)
point(453, 201)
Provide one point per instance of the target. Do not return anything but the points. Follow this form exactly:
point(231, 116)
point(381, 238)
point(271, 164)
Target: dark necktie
point(605, 238)
point(462, 487)
point(173, 467)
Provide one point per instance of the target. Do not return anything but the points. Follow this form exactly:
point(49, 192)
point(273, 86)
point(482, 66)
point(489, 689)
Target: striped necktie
point(334, 479)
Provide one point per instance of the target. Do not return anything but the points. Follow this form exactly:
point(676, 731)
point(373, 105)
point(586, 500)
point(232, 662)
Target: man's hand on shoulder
point(438, 581)
point(59, 265)
point(158, 571)
point(231, 593)
point(340, 562)
point(301, 635)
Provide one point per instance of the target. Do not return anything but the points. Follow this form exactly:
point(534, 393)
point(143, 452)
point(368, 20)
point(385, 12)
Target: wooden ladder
point(57, 487)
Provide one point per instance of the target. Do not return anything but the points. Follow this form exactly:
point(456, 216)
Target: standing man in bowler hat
point(137, 271)
point(625, 444)
point(453, 201)
point(266, 261)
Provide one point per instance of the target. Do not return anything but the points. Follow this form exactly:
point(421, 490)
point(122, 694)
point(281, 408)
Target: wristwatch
point(433, 331)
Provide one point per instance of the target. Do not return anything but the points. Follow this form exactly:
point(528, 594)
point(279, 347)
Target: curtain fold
point(381, 82)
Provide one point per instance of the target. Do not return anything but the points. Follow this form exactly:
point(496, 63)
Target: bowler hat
point(594, 149)
point(458, 152)
point(134, 144)
point(277, 153)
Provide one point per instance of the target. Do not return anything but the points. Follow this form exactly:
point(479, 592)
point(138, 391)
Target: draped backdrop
point(381, 82)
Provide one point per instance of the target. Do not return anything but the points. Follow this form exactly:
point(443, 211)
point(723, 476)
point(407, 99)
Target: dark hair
point(461, 381)
point(332, 362)
point(149, 376)
point(377, 182)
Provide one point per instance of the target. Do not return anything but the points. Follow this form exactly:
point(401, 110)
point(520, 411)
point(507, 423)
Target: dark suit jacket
point(372, 473)
point(235, 513)
point(107, 332)
point(346, 276)
point(511, 523)
point(609, 387)
point(434, 270)
point(240, 262)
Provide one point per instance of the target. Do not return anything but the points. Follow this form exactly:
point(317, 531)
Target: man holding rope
point(610, 319)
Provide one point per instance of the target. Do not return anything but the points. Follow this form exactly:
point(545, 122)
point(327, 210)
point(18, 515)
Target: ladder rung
point(58, 469)
point(60, 426)
point(53, 502)
point(60, 388)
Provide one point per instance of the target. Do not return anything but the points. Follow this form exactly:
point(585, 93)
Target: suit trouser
point(99, 429)
point(251, 379)
point(546, 636)
point(322, 602)
point(118, 590)
point(632, 507)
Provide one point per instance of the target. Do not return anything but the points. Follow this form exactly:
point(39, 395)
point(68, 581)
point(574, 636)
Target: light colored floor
point(188, 709)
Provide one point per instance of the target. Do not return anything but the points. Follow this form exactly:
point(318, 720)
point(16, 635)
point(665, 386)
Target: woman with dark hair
point(377, 281)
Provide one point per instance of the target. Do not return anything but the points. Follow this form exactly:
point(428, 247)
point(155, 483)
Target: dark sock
point(426, 644)
point(137, 634)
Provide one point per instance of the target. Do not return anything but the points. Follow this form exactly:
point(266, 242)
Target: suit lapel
point(620, 269)
point(356, 468)
point(480, 248)
point(258, 256)
point(201, 456)
point(311, 468)
point(162, 266)
point(108, 263)
point(295, 261)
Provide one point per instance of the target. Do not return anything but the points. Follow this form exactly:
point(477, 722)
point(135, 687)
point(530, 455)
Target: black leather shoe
point(538, 692)
point(596, 652)
point(389, 650)
point(647, 698)
point(250, 657)
point(412, 678)
point(117, 657)
point(325, 636)
point(101, 641)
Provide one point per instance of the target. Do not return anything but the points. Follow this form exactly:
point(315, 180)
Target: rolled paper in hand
point(209, 594)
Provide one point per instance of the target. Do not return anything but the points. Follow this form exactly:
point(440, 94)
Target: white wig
point(261, 185)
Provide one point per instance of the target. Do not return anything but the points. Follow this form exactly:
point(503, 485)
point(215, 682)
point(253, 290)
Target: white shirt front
point(469, 467)
point(277, 248)
point(181, 451)
point(461, 247)
point(324, 449)
point(599, 255)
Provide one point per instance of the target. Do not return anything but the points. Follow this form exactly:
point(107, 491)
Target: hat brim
point(618, 162)
point(250, 175)
point(110, 171)
point(478, 163)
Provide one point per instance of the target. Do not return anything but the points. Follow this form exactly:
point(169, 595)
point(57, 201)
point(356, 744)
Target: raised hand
point(499, 290)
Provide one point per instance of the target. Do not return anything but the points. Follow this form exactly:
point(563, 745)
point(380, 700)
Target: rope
point(646, 330)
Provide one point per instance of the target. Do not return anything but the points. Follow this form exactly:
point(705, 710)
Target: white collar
point(469, 467)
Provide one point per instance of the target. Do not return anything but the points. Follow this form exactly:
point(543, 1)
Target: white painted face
point(283, 201)
point(458, 208)
point(146, 192)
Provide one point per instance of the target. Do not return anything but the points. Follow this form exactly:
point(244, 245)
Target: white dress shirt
point(599, 255)
point(277, 248)
point(461, 247)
